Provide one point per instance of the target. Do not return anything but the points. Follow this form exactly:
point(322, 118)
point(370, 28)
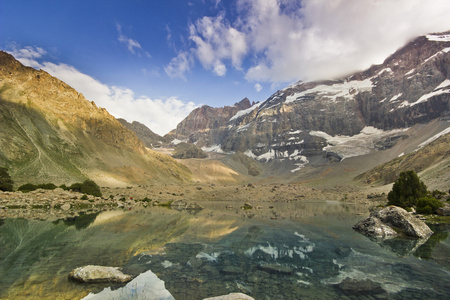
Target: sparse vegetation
point(6, 183)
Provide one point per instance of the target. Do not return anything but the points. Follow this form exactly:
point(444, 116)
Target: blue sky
point(155, 61)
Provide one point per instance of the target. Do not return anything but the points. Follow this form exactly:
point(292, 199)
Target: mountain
point(203, 122)
point(148, 137)
point(50, 133)
point(337, 119)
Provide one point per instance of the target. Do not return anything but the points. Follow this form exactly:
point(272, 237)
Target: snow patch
point(395, 97)
point(356, 145)
point(213, 148)
point(435, 55)
point(435, 137)
point(245, 111)
point(439, 38)
point(345, 89)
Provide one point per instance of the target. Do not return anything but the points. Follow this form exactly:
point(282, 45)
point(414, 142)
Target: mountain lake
point(298, 250)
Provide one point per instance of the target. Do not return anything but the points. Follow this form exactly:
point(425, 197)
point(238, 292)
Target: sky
point(155, 61)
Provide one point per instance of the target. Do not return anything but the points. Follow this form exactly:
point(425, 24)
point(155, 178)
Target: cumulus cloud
point(160, 115)
point(132, 45)
point(285, 40)
point(179, 65)
point(216, 41)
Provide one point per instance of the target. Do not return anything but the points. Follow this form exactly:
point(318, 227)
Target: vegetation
point(88, 187)
point(29, 187)
point(409, 191)
point(6, 183)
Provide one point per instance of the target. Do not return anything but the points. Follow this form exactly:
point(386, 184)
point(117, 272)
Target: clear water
point(291, 251)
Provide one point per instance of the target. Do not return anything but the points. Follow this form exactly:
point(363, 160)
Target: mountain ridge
point(319, 119)
point(51, 133)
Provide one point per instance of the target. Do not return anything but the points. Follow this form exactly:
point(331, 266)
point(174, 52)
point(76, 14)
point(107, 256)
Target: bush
point(47, 186)
point(428, 205)
point(407, 190)
point(88, 187)
point(84, 197)
point(28, 187)
point(6, 183)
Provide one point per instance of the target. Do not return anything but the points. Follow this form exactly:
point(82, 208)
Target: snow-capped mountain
point(340, 118)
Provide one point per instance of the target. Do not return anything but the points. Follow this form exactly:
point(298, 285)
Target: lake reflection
point(299, 250)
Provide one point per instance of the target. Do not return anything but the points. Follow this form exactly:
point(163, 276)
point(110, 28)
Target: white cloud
point(160, 115)
point(216, 42)
point(131, 44)
point(258, 87)
point(285, 40)
point(179, 65)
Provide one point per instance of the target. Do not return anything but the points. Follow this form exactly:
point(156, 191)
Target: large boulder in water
point(392, 221)
point(232, 296)
point(99, 274)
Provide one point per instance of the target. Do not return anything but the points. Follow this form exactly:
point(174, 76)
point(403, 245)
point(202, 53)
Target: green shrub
point(428, 205)
point(6, 183)
point(87, 187)
point(407, 190)
point(437, 194)
point(46, 186)
point(84, 197)
point(27, 187)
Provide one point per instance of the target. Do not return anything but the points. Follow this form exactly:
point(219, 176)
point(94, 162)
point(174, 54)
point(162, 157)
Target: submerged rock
point(231, 296)
point(145, 286)
point(392, 221)
point(92, 274)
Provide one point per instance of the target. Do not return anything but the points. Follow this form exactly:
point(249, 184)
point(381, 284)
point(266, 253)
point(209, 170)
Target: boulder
point(231, 296)
point(392, 221)
point(444, 211)
point(93, 274)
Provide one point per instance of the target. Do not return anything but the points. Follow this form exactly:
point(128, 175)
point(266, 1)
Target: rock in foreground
point(390, 222)
point(98, 274)
point(232, 296)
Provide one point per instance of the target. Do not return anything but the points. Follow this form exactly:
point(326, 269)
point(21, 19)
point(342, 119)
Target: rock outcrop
point(231, 296)
point(392, 221)
point(336, 119)
point(92, 274)
point(145, 134)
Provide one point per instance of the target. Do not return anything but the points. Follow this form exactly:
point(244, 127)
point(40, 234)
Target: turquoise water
point(308, 251)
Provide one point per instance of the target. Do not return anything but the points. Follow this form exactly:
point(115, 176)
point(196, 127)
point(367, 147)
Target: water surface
point(299, 250)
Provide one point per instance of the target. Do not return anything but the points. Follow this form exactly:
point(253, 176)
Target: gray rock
point(65, 206)
point(444, 211)
point(231, 296)
point(276, 269)
point(92, 274)
point(390, 222)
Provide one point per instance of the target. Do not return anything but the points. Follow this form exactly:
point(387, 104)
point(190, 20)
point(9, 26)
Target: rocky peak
point(346, 117)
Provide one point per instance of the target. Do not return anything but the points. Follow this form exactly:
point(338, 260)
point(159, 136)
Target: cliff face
point(50, 133)
point(205, 124)
point(342, 118)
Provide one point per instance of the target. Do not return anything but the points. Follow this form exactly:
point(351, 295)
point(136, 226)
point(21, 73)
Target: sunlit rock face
point(344, 118)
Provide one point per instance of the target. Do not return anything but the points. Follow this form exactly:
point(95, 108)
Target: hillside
point(51, 133)
point(145, 134)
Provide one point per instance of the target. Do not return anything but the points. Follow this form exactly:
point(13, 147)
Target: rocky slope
point(148, 137)
point(206, 124)
point(337, 119)
point(50, 133)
